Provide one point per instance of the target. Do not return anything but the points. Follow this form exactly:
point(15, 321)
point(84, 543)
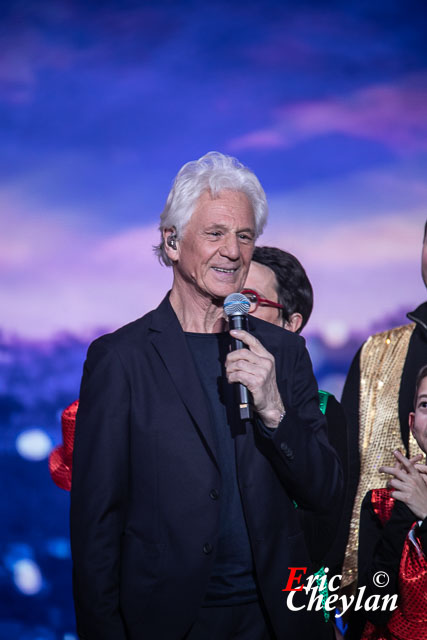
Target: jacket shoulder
point(390, 334)
point(273, 334)
point(124, 337)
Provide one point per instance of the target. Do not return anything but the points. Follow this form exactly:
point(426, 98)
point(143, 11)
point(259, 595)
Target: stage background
point(100, 105)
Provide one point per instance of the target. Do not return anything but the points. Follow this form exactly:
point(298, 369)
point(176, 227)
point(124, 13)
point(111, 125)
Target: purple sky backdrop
point(102, 102)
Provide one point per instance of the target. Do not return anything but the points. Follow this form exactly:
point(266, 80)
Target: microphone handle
point(244, 398)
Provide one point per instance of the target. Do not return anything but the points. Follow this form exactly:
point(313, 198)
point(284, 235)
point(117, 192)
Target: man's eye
point(245, 236)
point(216, 234)
point(251, 297)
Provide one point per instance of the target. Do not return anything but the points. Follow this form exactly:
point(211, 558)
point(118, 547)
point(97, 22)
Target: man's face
point(418, 419)
point(263, 280)
point(424, 261)
point(215, 251)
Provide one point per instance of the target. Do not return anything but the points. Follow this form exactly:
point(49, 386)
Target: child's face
point(418, 419)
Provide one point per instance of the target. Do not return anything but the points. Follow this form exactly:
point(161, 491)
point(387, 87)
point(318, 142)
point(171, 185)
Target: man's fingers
point(399, 456)
point(390, 470)
point(397, 473)
point(242, 354)
point(399, 465)
point(395, 483)
point(246, 378)
point(243, 364)
point(245, 355)
point(399, 495)
point(406, 464)
point(253, 343)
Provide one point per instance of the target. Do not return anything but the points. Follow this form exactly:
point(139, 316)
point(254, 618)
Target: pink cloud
point(361, 270)
point(262, 139)
point(395, 115)
point(372, 243)
point(56, 274)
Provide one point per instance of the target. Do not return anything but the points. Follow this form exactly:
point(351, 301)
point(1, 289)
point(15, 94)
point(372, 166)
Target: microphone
point(236, 307)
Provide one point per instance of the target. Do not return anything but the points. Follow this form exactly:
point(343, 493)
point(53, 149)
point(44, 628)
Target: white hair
point(213, 172)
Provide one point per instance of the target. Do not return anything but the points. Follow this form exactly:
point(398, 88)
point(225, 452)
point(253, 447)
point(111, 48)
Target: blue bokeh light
point(27, 577)
point(34, 444)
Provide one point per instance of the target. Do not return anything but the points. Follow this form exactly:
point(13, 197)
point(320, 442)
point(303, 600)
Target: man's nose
point(230, 247)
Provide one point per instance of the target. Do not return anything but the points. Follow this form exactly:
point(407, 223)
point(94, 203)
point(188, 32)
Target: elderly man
point(182, 520)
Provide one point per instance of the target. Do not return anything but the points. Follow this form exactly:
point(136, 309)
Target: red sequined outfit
point(61, 458)
point(409, 620)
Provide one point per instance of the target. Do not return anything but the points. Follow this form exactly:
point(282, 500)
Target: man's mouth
point(221, 270)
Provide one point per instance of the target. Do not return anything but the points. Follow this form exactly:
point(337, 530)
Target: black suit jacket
point(144, 518)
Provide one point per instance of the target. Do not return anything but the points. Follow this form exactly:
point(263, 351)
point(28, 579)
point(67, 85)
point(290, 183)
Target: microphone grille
point(236, 304)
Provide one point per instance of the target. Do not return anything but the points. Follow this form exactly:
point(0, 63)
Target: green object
point(323, 592)
point(323, 400)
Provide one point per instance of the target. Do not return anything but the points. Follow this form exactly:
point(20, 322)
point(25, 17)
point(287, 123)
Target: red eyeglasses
point(257, 301)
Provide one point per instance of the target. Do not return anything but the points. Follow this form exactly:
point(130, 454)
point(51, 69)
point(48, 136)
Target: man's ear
point(294, 322)
point(411, 420)
point(171, 243)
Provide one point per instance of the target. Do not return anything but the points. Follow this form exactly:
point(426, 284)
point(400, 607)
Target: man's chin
point(222, 286)
point(220, 293)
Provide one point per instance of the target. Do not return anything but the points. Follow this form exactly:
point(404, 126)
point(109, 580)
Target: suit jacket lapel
point(169, 340)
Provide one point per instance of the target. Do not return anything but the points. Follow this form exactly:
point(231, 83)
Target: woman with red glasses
point(279, 289)
point(280, 292)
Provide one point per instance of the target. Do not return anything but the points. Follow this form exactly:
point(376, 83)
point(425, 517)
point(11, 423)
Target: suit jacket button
point(214, 494)
point(207, 548)
point(287, 451)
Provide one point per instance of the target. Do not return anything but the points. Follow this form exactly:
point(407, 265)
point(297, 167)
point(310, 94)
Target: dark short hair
point(294, 289)
point(422, 373)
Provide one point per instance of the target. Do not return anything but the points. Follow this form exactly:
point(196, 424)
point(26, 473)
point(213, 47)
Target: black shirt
point(232, 580)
